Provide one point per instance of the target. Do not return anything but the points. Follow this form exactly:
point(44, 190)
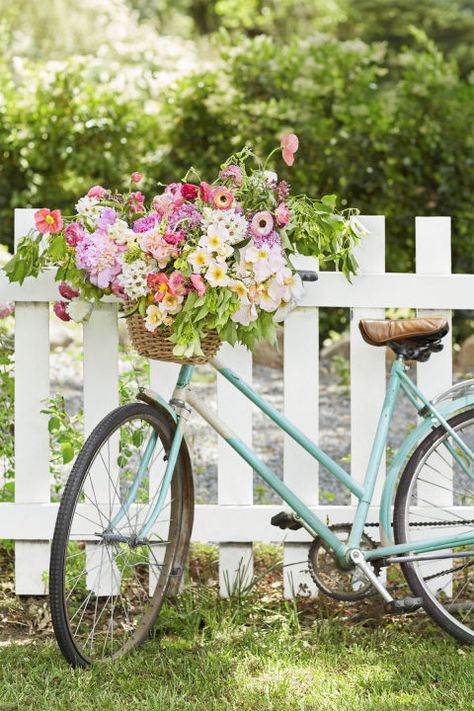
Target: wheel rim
point(442, 494)
point(113, 583)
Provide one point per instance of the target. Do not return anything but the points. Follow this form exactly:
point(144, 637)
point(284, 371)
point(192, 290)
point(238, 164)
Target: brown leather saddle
point(412, 338)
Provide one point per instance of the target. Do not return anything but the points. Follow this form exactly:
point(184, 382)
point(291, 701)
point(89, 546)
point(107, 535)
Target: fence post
point(301, 393)
point(32, 477)
point(367, 363)
point(234, 476)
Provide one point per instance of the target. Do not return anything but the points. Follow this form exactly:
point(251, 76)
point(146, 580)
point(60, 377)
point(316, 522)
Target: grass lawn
point(253, 654)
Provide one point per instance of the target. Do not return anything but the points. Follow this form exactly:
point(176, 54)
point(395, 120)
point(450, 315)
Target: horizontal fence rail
point(235, 522)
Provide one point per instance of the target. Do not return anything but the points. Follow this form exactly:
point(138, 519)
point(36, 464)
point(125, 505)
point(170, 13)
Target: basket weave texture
point(157, 346)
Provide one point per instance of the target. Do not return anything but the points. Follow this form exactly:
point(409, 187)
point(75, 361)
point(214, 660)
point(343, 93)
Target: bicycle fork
point(182, 414)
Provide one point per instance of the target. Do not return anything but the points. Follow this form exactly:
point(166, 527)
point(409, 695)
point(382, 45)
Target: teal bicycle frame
point(179, 408)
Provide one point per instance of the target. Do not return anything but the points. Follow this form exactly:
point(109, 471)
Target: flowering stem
point(278, 148)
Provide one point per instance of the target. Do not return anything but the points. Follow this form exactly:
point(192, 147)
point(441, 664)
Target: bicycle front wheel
point(434, 500)
point(108, 582)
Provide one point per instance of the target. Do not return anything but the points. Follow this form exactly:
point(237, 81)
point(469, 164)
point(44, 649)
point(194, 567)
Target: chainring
point(349, 585)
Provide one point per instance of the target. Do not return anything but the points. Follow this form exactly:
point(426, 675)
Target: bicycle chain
point(447, 571)
point(457, 522)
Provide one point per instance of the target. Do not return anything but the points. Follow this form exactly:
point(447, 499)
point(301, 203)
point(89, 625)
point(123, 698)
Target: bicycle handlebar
point(307, 276)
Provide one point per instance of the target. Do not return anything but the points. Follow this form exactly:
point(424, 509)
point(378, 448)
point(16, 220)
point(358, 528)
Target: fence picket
point(32, 478)
point(433, 256)
point(367, 362)
point(234, 476)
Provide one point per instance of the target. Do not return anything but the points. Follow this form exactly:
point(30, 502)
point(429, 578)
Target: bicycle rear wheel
point(435, 499)
point(107, 587)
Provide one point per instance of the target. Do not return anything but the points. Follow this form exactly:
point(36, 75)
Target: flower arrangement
point(201, 257)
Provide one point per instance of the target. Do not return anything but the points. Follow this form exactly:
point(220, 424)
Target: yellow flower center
point(49, 219)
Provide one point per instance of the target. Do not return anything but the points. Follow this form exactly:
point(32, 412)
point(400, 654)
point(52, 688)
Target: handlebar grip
point(307, 275)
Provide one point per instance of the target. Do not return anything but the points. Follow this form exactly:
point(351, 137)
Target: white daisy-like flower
point(265, 300)
point(89, 208)
point(133, 278)
point(282, 312)
point(199, 259)
point(239, 288)
point(215, 238)
point(232, 221)
point(79, 310)
point(216, 275)
point(171, 303)
point(286, 286)
point(246, 314)
point(154, 317)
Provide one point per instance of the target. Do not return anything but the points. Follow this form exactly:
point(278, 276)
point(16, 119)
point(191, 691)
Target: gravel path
point(334, 408)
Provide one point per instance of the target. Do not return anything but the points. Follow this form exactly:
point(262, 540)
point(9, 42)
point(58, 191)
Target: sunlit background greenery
point(381, 93)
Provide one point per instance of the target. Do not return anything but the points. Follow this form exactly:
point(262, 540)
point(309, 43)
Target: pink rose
point(73, 234)
point(97, 191)
point(173, 238)
point(206, 193)
point(282, 214)
point(59, 308)
point(67, 292)
point(176, 281)
point(189, 191)
point(6, 308)
point(135, 202)
point(199, 284)
point(136, 177)
point(117, 288)
point(162, 203)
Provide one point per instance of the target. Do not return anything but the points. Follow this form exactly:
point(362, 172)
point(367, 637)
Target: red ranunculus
point(189, 191)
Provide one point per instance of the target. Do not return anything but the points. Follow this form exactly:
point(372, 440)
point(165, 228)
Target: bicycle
point(125, 519)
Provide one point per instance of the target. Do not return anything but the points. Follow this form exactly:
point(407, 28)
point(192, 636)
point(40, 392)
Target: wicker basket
point(158, 347)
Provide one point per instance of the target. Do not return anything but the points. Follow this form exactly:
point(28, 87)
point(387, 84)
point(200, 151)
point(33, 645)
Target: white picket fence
point(235, 522)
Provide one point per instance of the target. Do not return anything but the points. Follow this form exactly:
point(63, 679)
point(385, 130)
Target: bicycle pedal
point(405, 604)
point(284, 520)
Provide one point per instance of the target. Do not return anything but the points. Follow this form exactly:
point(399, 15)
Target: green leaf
point(67, 452)
point(54, 424)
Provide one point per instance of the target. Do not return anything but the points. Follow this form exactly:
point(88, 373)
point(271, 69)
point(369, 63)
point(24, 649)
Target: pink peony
point(282, 214)
point(289, 144)
point(47, 221)
point(136, 177)
point(59, 308)
point(97, 191)
point(73, 234)
point(99, 255)
point(223, 198)
point(66, 291)
point(198, 283)
point(262, 224)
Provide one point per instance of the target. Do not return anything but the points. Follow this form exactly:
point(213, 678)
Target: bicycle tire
point(130, 575)
point(430, 488)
